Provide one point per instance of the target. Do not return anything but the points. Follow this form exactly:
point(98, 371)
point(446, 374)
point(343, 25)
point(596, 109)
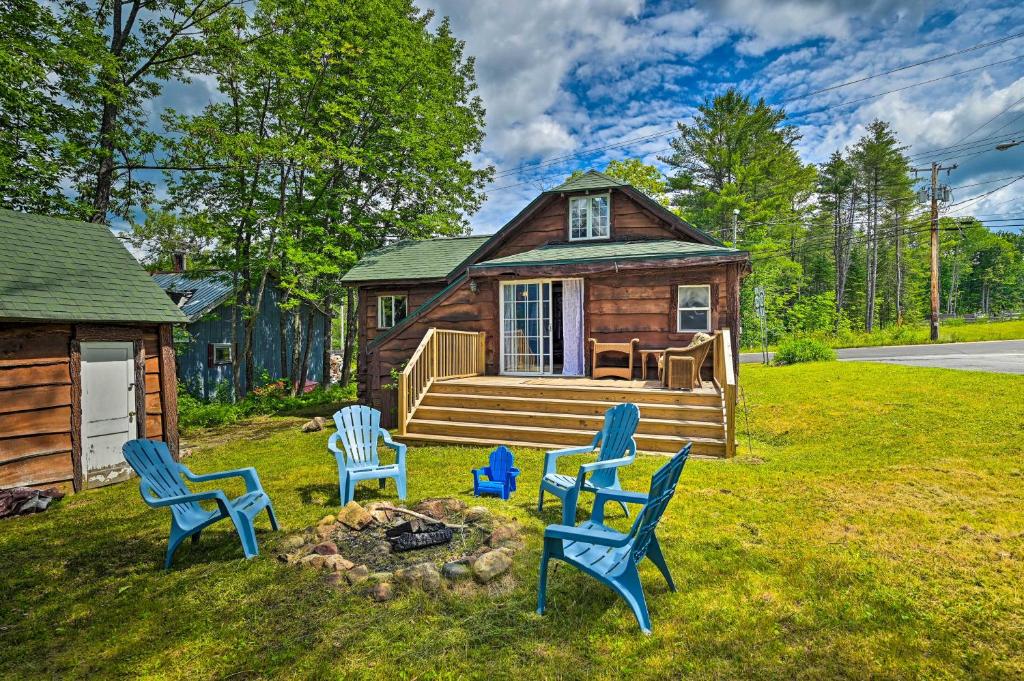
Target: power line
point(963, 146)
point(1010, 106)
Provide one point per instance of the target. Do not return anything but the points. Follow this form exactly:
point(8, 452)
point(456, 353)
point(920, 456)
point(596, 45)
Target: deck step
point(586, 407)
point(611, 394)
point(589, 423)
point(542, 436)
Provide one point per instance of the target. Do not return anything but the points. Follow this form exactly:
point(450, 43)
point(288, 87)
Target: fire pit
point(418, 534)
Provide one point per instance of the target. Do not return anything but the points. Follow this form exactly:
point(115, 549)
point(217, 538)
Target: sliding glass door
point(526, 327)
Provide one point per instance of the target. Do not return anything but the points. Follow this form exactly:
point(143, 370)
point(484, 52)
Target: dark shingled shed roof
point(69, 271)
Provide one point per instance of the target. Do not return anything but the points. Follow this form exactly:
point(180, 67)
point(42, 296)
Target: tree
point(646, 178)
point(342, 126)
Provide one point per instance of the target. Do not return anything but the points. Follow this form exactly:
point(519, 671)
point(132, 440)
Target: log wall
point(40, 398)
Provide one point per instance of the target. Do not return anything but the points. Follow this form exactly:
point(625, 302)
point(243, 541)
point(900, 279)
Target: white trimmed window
point(222, 353)
point(589, 217)
point(694, 308)
point(390, 311)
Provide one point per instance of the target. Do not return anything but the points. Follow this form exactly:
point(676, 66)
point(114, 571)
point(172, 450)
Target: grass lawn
point(877, 530)
point(949, 332)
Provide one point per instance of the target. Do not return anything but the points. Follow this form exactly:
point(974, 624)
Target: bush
point(272, 398)
point(797, 350)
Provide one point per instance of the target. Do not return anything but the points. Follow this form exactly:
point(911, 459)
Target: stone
point(476, 514)
point(456, 571)
point(337, 563)
point(327, 548)
point(293, 542)
point(453, 505)
point(357, 574)
point(382, 592)
point(381, 576)
point(327, 520)
point(336, 579)
point(435, 508)
point(423, 575)
point(323, 532)
point(314, 560)
point(314, 425)
point(491, 565)
point(502, 534)
point(355, 516)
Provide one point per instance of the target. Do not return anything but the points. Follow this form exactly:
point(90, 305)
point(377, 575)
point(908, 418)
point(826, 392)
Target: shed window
point(390, 311)
point(694, 308)
point(589, 217)
point(222, 353)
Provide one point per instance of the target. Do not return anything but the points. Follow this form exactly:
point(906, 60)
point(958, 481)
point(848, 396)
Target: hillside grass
point(875, 529)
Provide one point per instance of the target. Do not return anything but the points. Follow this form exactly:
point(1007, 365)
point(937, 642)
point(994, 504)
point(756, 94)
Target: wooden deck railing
point(725, 378)
point(442, 353)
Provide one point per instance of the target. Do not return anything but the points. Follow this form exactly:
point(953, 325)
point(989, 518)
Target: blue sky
point(559, 77)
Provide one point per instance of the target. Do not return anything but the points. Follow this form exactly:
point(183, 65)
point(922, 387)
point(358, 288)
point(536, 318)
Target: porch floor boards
point(550, 412)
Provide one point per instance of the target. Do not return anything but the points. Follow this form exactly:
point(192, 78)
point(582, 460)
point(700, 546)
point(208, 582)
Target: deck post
point(481, 365)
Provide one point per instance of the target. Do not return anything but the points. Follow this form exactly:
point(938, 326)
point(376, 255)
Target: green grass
point(876, 531)
point(949, 332)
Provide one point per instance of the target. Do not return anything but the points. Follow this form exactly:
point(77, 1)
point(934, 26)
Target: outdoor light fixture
point(473, 286)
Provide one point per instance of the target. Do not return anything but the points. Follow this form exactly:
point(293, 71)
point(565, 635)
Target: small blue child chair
point(612, 557)
point(501, 475)
point(161, 485)
point(358, 431)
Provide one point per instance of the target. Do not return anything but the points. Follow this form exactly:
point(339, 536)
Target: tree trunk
point(300, 379)
point(105, 172)
point(282, 330)
point(899, 269)
point(325, 375)
point(348, 349)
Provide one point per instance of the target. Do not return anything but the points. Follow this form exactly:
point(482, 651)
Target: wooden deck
point(611, 384)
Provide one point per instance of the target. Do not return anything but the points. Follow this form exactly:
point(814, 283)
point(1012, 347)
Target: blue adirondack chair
point(501, 475)
point(161, 485)
point(612, 557)
point(618, 448)
point(358, 430)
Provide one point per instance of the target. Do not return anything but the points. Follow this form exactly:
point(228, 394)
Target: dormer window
point(589, 217)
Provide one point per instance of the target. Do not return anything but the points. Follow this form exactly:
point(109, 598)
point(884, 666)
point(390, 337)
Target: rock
point(382, 592)
point(423, 575)
point(355, 516)
point(314, 560)
point(475, 514)
point(453, 505)
point(327, 548)
point(435, 508)
point(293, 542)
point(502, 534)
point(336, 579)
point(314, 425)
point(323, 532)
point(456, 571)
point(357, 574)
point(490, 565)
point(327, 520)
point(384, 548)
point(185, 452)
point(337, 563)
point(381, 576)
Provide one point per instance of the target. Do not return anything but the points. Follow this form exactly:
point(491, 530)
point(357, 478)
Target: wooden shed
point(86, 354)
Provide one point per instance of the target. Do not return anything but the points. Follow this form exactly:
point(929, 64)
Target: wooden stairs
point(489, 410)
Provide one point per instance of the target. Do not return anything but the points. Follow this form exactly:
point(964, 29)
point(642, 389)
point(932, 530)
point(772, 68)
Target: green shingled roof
point(581, 253)
point(589, 181)
point(430, 259)
point(70, 271)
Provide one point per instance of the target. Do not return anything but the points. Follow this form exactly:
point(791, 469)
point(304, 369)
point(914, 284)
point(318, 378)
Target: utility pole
point(934, 195)
point(735, 223)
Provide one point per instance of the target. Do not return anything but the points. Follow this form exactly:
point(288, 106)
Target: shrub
point(796, 350)
point(271, 398)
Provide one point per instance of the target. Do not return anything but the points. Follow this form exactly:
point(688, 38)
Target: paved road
point(1005, 357)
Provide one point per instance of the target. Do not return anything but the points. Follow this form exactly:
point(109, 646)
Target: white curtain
point(573, 363)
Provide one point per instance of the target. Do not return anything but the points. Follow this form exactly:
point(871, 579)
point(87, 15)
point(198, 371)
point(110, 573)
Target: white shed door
point(108, 410)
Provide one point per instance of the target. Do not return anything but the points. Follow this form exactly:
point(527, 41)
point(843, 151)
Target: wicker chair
point(627, 349)
point(694, 357)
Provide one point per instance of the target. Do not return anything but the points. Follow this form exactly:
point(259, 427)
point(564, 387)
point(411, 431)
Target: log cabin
point(86, 354)
point(491, 339)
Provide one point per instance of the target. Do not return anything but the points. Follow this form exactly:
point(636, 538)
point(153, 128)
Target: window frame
point(590, 214)
point(380, 309)
point(217, 361)
point(680, 308)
